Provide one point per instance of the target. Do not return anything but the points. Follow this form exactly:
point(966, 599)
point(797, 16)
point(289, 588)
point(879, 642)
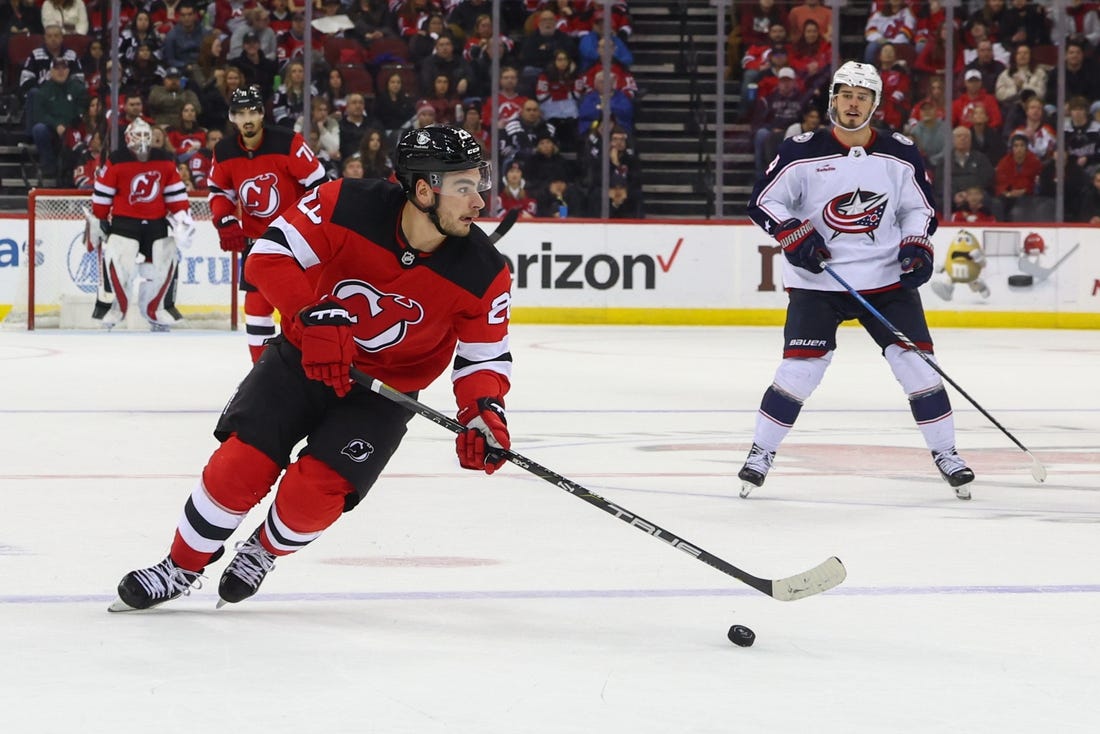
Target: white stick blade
point(1038, 471)
point(818, 579)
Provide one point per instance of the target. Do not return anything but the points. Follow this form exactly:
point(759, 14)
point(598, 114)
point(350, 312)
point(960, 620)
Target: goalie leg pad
point(157, 277)
point(119, 266)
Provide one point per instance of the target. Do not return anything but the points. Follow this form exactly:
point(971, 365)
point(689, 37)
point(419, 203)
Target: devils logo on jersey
point(384, 318)
point(856, 212)
point(260, 195)
point(145, 187)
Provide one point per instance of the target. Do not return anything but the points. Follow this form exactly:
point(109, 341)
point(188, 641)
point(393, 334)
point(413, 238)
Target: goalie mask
point(139, 139)
point(855, 74)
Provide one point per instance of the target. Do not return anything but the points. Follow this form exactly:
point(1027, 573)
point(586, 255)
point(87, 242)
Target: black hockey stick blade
point(820, 578)
point(506, 223)
point(1038, 471)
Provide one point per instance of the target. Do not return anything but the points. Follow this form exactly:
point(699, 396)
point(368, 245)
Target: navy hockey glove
point(479, 446)
point(803, 246)
point(327, 346)
point(915, 256)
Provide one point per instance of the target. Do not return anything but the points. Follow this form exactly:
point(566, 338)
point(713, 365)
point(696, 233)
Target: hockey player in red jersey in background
point(257, 173)
point(393, 278)
point(137, 195)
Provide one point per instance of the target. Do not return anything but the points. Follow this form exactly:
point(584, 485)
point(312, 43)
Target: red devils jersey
point(413, 310)
point(199, 166)
point(263, 181)
point(127, 187)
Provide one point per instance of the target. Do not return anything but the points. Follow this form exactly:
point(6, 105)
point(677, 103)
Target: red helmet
point(1034, 245)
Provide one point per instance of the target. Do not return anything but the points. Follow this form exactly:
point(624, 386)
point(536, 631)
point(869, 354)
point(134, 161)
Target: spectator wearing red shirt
point(1016, 174)
point(896, 88)
point(752, 30)
point(513, 192)
point(973, 210)
point(975, 96)
point(933, 57)
point(508, 103)
point(812, 57)
point(935, 96)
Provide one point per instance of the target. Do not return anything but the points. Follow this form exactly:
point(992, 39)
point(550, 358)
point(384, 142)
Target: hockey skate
point(954, 471)
point(148, 587)
point(756, 468)
point(244, 574)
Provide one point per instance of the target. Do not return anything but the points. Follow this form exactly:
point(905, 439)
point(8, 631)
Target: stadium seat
point(340, 51)
point(388, 51)
point(1046, 55)
point(77, 42)
point(20, 46)
point(356, 79)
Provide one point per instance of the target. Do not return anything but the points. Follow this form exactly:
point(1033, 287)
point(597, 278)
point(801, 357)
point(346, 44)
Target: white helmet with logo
point(855, 74)
point(139, 138)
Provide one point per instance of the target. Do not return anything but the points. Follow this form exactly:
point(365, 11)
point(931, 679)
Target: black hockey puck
point(1020, 281)
point(741, 635)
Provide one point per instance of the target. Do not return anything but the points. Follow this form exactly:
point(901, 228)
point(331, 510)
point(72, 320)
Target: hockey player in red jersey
point(137, 196)
point(259, 172)
point(393, 278)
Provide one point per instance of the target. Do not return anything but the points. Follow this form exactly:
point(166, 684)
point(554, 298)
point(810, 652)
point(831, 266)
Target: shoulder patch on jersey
point(803, 137)
point(902, 139)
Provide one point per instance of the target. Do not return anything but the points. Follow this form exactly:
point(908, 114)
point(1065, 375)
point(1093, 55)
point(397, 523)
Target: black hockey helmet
point(246, 98)
point(429, 152)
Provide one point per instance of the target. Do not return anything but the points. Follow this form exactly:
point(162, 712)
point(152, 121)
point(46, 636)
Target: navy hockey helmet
point(246, 98)
point(430, 152)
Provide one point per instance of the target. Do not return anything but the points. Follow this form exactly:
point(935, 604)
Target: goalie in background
point(963, 265)
point(143, 216)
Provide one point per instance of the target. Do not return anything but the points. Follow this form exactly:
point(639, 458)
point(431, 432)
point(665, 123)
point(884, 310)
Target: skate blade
point(221, 603)
point(963, 492)
point(746, 489)
point(120, 606)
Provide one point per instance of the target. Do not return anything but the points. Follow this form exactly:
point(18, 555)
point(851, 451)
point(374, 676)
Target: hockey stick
point(1038, 471)
point(506, 223)
point(819, 578)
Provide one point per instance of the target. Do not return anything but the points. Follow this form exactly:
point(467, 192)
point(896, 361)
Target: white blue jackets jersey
point(863, 201)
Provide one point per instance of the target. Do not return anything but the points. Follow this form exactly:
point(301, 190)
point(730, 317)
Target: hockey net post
point(58, 287)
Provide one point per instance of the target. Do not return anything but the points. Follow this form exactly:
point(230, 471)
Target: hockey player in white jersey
point(860, 199)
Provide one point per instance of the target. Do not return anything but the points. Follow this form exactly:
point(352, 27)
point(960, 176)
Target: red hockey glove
point(327, 346)
point(915, 256)
point(803, 246)
point(481, 446)
point(230, 235)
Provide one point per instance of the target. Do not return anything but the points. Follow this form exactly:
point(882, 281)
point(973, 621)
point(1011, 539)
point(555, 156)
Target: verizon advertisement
point(726, 273)
point(667, 272)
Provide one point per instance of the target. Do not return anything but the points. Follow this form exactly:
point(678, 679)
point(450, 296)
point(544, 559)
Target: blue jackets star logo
point(855, 212)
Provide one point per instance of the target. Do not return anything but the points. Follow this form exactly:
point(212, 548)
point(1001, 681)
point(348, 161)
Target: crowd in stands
point(379, 67)
point(999, 137)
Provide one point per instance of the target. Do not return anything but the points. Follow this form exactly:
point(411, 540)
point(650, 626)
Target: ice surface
point(454, 602)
